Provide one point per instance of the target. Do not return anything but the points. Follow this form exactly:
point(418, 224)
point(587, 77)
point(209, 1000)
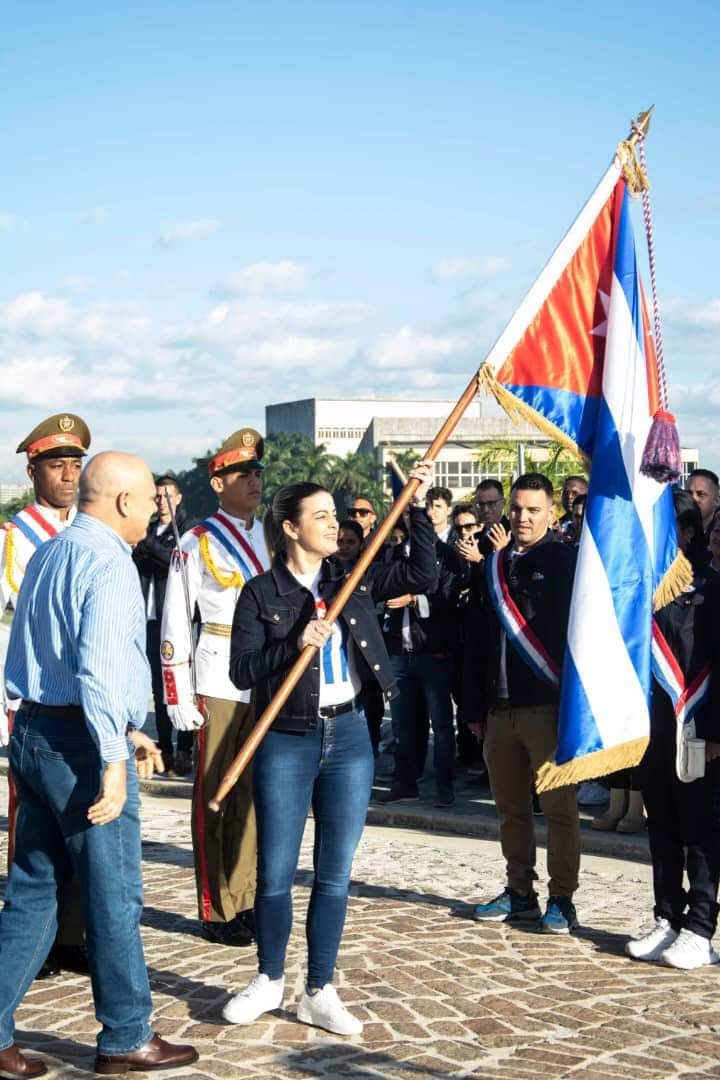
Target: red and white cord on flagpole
point(661, 460)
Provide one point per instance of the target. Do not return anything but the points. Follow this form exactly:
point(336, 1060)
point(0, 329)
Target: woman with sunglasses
point(317, 752)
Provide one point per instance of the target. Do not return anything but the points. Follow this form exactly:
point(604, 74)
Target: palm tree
point(353, 475)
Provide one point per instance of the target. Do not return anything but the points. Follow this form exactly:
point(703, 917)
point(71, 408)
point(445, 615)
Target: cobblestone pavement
point(441, 996)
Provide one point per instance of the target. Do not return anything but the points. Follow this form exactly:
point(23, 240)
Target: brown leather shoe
point(14, 1063)
point(155, 1054)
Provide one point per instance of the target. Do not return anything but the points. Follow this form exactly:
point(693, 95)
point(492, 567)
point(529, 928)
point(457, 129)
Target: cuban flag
point(578, 361)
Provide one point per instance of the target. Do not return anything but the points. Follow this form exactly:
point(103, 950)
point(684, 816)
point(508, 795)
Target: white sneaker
point(651, 946)
point(325, 1010)
point(590, 793)
point(690, 950)
point(261, 995)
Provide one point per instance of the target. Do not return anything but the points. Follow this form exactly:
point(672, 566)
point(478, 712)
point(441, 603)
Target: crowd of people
point(458, 625)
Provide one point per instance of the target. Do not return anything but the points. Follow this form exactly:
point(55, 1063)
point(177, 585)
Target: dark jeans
point(58, 770)
point(162, 720)
point(332, 770)
point(684, 835)
point(423, 682)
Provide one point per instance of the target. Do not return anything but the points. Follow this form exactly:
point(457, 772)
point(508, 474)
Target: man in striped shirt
point(55, 449)
point(77, 660)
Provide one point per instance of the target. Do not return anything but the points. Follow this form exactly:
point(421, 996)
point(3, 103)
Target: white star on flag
point(601, 329)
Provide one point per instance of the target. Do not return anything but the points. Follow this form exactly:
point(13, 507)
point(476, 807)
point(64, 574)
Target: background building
point(9, 492)
point(484, 443)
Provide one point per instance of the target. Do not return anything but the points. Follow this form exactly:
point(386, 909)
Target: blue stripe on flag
point(574, 414)
point(626, 268)
point(612, 517)
point(582, 737)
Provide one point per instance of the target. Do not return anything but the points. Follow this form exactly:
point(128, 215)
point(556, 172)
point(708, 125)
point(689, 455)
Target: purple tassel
point(661, 458)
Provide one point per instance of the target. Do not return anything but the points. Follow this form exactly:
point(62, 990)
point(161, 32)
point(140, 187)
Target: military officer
point(217, 558)
point(54, 449)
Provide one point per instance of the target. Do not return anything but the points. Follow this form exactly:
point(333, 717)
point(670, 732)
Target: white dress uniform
point(220, 555)
point(19, 540)
point(215, 578)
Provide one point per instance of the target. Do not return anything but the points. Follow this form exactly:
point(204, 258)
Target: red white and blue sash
point(231, 540)
point(516, 627)
point(686, 697)
point(34, 526)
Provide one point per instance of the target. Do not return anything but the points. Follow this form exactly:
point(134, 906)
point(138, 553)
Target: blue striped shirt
point(78, 634)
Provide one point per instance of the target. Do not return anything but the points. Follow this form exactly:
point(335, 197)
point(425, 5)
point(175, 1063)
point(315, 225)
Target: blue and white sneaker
point(560, 916)
point(508, 906)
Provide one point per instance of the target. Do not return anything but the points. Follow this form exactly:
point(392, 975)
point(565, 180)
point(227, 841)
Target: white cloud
point(264, 277)
point(188, 230)
point(468, 267)
point(411, 348)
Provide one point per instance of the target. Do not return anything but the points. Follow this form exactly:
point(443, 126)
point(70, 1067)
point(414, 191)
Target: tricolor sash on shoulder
point(231, 540)
point(34, 526)
point(687, 697)
point(517, 629)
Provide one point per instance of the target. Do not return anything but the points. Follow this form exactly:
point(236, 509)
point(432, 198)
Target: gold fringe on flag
point(517, 411)
point(599, 763)
point(677, 580)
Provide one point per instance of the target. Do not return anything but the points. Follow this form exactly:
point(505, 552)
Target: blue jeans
point(423, 680)
point(58, 770)
point(331, 769)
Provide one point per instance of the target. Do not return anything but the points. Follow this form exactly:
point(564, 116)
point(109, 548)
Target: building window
point(468, 474)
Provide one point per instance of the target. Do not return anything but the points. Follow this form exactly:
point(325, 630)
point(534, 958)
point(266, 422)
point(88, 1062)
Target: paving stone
point(443, 998)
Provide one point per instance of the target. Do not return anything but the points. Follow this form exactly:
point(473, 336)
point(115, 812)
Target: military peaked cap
point(62, 435)
point(241, 452)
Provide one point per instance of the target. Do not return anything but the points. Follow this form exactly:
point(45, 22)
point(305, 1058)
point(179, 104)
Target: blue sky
point(207, 206)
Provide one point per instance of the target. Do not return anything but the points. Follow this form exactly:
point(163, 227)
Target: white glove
point(4, 730)
point(185, 717)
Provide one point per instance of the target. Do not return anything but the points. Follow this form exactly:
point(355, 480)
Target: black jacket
point(274, 609)
point(540, 582)
point(439, 632)
point(691, 627)
point(152, 557)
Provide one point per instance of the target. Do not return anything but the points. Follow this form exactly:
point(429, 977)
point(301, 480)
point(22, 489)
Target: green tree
point(9, 509)
point(353, 475)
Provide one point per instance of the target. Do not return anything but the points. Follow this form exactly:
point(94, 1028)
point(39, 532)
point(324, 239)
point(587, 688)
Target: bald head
point(119, 490)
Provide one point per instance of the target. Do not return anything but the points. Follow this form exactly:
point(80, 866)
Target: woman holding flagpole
point(318, 751)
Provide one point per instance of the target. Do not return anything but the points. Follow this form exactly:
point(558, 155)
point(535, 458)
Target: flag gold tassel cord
point(598, 763)
point(518, 411)
point(677, 580)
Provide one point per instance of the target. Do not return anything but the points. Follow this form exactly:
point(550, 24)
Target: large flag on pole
point(577, 360)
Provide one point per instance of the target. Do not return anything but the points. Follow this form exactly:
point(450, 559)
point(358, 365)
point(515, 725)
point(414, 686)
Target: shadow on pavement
point(66, 1051)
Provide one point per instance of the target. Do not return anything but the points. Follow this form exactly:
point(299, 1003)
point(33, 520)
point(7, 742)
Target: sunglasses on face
point(469, 527)
point(358, 511)
point(487, 503)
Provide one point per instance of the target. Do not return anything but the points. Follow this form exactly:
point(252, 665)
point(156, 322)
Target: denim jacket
point(274, 609)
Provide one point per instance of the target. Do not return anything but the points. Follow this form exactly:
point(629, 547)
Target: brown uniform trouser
point(225, 844)
point(517, 742)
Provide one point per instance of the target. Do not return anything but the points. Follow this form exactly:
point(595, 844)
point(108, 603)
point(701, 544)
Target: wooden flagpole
point(301, 664)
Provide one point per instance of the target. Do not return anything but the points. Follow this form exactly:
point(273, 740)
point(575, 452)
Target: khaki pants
point(517, 742)
point(224, 844)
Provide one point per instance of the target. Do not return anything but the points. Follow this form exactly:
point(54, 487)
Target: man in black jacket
point(421, 635)
point(525, 607)
point(152, 558)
